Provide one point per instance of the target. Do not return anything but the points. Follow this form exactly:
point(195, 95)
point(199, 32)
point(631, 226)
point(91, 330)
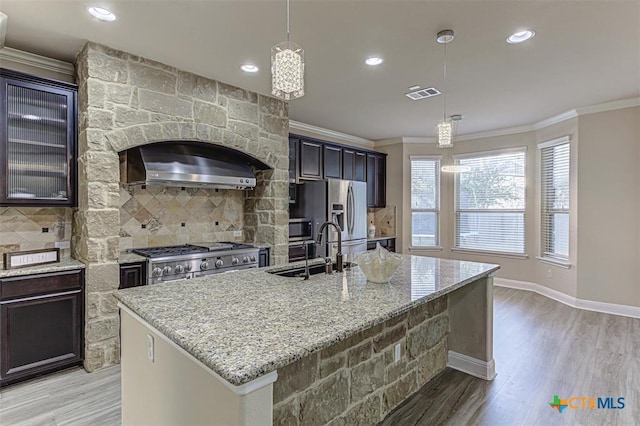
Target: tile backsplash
point(160, 216)
point(384, 219)
point(34, 228)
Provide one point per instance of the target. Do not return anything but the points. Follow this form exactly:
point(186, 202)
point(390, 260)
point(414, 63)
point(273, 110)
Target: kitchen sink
point(299, 271)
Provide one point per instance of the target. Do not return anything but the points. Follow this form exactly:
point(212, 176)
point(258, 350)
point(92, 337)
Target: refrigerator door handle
point(350, 209)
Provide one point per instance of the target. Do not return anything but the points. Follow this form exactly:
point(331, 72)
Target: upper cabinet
point(313, 159)
point(376, 180)
point(38, 134)
point(333, 162)
point(310, 160)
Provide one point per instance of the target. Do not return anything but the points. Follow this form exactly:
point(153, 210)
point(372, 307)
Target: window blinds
point(490, 202)
point(555, 200)
point(425, 201)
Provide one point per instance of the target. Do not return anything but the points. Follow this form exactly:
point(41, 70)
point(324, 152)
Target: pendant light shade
point(287, 68)
point(445, 134)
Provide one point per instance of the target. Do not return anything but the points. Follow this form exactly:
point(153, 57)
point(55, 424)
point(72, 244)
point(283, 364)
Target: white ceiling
point(584, 53)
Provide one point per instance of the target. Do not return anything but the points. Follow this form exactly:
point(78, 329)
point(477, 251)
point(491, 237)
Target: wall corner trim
point(485, 370)
point(587, 305)
point(321, 131)
point(36, 61)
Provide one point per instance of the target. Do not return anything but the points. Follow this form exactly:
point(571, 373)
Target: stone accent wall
point(22, 228)
point(356, 382)
point(384, 219)
point(162, 216)
point(125, 101)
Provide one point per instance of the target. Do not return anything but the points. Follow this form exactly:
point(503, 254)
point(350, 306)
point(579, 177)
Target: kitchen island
point(254, 348)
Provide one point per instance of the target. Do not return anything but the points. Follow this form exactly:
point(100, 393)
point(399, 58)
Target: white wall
point(609, 207)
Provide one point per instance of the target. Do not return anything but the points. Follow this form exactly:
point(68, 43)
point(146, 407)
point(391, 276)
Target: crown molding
point(567, 115)
point(37, 61)
point(610, 106)
point(320, 131)
point(387, 142)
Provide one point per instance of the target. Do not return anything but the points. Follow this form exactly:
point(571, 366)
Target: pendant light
point(446, 126)
point(287, 68)
point(452, 167)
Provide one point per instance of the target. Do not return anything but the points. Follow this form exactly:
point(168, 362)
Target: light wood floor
point(541, 347)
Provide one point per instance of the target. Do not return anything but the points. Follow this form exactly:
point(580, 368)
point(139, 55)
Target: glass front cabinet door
point(38, 134)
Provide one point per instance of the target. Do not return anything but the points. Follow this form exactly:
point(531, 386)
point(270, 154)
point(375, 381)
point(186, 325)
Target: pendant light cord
point(288, 21)
point(444, 82)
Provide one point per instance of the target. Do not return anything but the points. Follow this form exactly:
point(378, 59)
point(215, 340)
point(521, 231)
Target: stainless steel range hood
point(188, 164)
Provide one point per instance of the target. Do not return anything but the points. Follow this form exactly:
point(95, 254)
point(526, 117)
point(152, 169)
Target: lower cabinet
point(263, 257)
point(133, 274)
point(41, 324)
point(388, 243)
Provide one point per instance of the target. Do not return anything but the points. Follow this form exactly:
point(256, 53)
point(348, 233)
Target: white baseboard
point(588, 305)
point(473, 366)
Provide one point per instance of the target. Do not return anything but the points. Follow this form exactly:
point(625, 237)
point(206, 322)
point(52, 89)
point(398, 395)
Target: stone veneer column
point(125, 101)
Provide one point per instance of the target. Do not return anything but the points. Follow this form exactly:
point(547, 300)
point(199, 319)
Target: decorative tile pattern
point(384, 219)
point(21, 228)
point(207, 214)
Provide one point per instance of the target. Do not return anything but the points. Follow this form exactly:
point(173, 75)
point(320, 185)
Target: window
point(555, 198)
point(425, 201)
point(490, 202)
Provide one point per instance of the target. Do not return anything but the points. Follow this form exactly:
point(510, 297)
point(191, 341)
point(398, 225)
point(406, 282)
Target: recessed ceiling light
point(520, 36)
point(249, 68)
point(373, 61)
point(101, 13)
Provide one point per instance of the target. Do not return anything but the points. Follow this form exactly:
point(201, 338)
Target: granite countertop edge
point(66, 264)
point(255, 371)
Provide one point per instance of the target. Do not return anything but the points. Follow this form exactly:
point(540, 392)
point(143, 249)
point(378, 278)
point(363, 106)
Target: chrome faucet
point(305, 246)
point(339, 254)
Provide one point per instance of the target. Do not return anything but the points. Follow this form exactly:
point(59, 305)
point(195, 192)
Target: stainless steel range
point(195, 260)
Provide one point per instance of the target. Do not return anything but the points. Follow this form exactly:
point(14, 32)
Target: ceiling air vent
point(416, 95)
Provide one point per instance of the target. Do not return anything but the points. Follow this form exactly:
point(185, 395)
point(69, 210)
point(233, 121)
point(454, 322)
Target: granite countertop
point(246, 324)
point(128, 257)
point(64, 265)
point(380, 238)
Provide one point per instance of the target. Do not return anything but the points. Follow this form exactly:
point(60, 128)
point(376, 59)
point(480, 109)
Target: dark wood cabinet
point(360, 166)
point(310, 160)
point(38, 139)
point(387, 243)
point(263, 257)
point(293, 159)
point(348, 163)
point(376, 180)
point(41, 324)
point(332, 162)
point(133, 274)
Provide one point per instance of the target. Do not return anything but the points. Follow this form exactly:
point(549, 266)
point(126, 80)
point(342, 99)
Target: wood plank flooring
point(542, 348)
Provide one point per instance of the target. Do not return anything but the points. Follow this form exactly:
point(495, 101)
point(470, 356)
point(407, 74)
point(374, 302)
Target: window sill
point(491, 253)
point(555, 262)
point(425, 248)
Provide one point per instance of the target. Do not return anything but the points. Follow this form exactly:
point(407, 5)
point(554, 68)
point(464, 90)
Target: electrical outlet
point(150, 349)
point(62, 244)
point(549, 274)
point(237, 233)
point(396, 353)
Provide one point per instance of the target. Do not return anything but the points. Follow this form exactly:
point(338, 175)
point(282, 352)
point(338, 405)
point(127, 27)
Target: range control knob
point(245, 259)
point(219, 263)
point(253, 258)
point(204, 266)
point(166, 270)
point(235, 261)
point(179, 269)
point(157, 272)
point(188, 267)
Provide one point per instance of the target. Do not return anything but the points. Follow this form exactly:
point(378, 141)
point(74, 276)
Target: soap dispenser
point(371, 231)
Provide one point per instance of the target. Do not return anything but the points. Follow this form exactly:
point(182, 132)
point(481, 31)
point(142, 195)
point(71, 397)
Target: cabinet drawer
point(39, 284)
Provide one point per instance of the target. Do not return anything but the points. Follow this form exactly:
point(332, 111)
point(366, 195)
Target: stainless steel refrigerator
point(341, 201)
